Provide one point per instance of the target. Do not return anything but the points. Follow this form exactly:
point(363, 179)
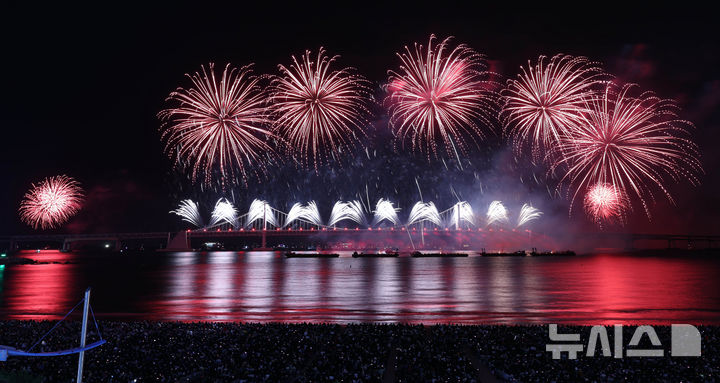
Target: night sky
point(82, 86)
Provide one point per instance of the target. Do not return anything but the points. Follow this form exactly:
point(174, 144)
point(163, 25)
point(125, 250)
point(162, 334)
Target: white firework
point(189, 212)
point(461, 212)
point(224, 212)
point(527, 214)
point(424, 212)
point(352, 211)
point(308, 213)
point(262, 211)
point(385, 211)
point(496, 213)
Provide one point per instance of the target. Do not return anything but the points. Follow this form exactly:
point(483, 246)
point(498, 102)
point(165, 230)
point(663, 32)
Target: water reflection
point(38, 291)
point(265, 286)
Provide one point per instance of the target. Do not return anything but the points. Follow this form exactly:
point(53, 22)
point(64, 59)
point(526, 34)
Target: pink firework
point(217, 128)
point(547, 100)
point(605, 203)
point(635, 143)
point(439, 95)
point(51, 203)
point(319, 112)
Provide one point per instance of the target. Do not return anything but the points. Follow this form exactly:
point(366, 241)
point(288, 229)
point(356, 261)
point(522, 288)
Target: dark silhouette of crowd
point(278, 352)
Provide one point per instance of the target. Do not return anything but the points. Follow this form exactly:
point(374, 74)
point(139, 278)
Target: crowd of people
point(143, 351)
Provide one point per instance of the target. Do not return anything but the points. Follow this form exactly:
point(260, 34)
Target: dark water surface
point(266, 286)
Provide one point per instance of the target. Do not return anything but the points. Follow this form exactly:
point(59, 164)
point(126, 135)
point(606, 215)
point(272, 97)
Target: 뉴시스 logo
point(685, 340)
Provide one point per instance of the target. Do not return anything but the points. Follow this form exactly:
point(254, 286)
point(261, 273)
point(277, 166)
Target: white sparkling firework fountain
point(461, 212)
point(308, 213)
point(224, 212)
point(422, 212)
point(496, 213)
point(527, 214)
point(352, 211)
point(459, 216)
point(262, 211)
point(189, 212)
point(385, 211)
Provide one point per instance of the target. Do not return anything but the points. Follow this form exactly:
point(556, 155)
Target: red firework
point(51, 203)
point(438, 95)
point(546, 101)
point(318, 111)
point(218, 123)
point(605, 203)
point(634, 143)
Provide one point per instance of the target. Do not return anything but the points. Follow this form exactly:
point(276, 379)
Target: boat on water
point(418, 254)
point(385, 254)
point(311, 255)
point(503, 254)
point(553, 253)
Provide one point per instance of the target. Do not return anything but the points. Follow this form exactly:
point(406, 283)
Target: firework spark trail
point(219, 123)
point(423, 211)
point(224, 213)
point(633, 143)
point(605, 204)
point(385, 211)
point(189, 212)
point(461, 212)
point(51, 203)
point(438, 94)
point(547, 101)
point(352, 211)
point(308, 213)
point(496, 213)
point(318, 111)
point(262, 211)
point(528, 214)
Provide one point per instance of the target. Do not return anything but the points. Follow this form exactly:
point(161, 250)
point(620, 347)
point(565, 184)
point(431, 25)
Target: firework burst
point(634, 143)
point(224, 213)
point(385, 211)
point(308, 213)
point(352, 210)
point(424, 211)
point(461, 212)
point(547, 100)
point(261, 211)
point(320, 112)
point(51, 203)
point(496, 213)
point(605, 203)
point(189, 212)
point(438, 96)
point(216, 130)
point(527, 214)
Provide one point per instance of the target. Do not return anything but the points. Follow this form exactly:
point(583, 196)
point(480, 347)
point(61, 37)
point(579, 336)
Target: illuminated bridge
point(264, 227)
point(403, 237)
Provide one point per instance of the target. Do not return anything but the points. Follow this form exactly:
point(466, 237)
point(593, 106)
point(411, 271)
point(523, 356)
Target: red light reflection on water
point(266, 286)
point(41, 291)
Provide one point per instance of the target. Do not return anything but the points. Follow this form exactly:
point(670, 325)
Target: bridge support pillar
point(264, 239)
point(118, 245)
point(66, 246)
point(179, 242)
